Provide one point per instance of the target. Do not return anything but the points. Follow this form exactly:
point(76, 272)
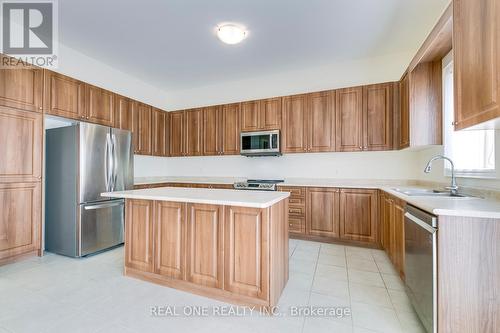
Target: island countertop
point(254, 199)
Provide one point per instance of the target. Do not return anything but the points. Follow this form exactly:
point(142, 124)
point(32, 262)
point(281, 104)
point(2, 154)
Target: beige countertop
point(254, 199)
point(468, 207)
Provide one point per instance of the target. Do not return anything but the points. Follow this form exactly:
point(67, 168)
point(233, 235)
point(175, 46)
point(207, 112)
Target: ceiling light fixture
point(231, 33)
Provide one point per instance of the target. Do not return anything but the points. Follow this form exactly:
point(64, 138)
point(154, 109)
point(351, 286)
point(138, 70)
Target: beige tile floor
point(58, 294)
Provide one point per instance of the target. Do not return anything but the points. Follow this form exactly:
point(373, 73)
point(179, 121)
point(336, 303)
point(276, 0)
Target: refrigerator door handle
point(108, 163)
point(104, 205)
point(115, 163)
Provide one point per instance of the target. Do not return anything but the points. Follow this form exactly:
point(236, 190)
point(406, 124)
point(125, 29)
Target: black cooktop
point(265, 181)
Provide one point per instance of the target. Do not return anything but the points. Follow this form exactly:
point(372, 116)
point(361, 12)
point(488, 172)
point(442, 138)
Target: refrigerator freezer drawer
point(102, 225)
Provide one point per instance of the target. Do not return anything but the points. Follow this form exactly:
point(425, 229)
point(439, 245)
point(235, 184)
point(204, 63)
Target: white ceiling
point(171, 44)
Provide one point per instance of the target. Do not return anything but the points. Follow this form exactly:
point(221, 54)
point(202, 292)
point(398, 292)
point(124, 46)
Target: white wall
point(87, 69)
point(338, 75)
point(365, 165)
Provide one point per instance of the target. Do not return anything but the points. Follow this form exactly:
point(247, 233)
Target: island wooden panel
point(246, 240)
point(139, 235)
point(205, 245)
point(234, 254)
point(170, 234)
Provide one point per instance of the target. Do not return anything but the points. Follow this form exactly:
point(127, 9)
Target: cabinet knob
point(360, 147)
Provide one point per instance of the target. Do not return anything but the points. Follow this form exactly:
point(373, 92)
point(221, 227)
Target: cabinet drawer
point(296, 201)
point(296, 210)
point(295, 192)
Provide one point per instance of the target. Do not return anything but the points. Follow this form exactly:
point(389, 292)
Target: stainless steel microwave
point(266, 143)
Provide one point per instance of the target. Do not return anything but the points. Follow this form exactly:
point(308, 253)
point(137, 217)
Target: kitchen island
point(228, 245)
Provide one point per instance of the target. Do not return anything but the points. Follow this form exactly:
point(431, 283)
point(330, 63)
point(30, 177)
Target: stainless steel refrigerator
point(82, 161)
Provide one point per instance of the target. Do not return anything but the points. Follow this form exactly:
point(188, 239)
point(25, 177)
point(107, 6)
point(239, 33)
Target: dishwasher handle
point(420, 223)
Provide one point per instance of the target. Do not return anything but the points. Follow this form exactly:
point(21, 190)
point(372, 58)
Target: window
point(473, 152)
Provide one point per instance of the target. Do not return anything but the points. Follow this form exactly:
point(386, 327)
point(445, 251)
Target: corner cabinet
point(159, 135)
point(141, 122)
point(476, 51)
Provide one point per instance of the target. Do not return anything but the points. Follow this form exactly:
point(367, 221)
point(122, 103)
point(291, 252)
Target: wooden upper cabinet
point(349, 119)
point(230, 129)
point(261, 115)
point(270, 113)
point(250, 116)
point(123, 113)
point(426, 123)
point(21, 88)
point(211, 130)
point(21, 146)
point(176, 133)
point(64, 96)
point(404, 112)
point(321, 122)
point(170, 230)
point(204, 245)
point(294, 127)
point(142, 128)
point(139, 235)
point(246, 251)
point(160, 135)
point(476, 52)
point(20, 218)
point(377, 116)
point(322, 212)
point(99, 105)
point(359, 215)
point(193, 132)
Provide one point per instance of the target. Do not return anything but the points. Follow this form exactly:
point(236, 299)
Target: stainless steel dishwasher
point(421, 264)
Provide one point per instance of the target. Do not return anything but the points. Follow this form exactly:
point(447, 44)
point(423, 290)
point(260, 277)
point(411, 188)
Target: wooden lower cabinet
point(333, 214)
point(359, 215)
point(322, 217)
point(20, 219)
point(393, 234)
point(235, 254)
point(204, 246)
point(139, 235)
point(170, 235)
point(246, 239)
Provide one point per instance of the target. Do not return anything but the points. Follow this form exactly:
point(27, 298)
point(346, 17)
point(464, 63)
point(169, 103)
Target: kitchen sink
point(422, 192)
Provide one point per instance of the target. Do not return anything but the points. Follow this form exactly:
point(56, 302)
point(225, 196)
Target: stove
point(258, 184)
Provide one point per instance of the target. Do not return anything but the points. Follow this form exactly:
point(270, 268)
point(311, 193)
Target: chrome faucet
point(453, 187)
